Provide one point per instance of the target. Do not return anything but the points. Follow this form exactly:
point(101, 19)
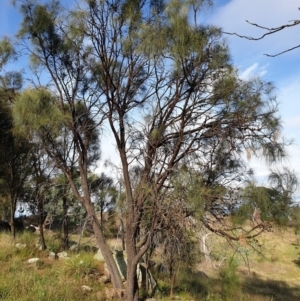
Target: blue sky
point(231, 15)
point(283, 71)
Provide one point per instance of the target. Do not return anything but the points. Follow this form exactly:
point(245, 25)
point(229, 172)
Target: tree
point(15, 159)
point(105, 195)
point(172, 99)
point(165, 88)
point(63, 106)
point(38, 186)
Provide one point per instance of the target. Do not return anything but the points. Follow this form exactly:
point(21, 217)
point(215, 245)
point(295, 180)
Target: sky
point(248, 56)
point(283, 71)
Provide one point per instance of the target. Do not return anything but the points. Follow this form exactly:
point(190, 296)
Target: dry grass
point(274, 276)
point(273, 273)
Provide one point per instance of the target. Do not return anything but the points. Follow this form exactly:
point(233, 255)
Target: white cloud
point(253, 71)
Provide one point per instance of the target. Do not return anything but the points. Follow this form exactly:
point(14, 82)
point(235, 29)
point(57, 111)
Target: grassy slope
point(274, 276)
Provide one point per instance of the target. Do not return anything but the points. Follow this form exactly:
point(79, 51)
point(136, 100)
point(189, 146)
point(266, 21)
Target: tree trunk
point(65, 225)
point(12, 220)
point(105, 250)
point(204, 248)
point(132, 289)
point(41, 223)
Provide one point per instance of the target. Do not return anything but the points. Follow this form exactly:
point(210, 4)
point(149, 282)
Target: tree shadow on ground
point(297, 262)
point(270, 289)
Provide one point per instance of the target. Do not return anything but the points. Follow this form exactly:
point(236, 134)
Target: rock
point(62, 254)
point(33, 260)
point(52, 255)
point(86, 288)
point(20, 246)
point(39, 246)
point(74, 248)
point(99, 256)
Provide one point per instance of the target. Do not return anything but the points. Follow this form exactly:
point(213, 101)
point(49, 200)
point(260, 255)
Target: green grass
point(47, 280)
point(274, 276)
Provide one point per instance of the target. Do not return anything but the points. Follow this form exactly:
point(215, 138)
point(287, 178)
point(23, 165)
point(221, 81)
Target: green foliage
point(81, 265)
point(7, 52)
point(231, 286)
point(35, 112)
point(54, 243)
point(271, 204)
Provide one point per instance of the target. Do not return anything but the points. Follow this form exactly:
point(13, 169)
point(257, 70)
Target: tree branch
point(270, 31)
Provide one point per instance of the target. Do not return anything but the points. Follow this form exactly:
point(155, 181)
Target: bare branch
point(270, 32)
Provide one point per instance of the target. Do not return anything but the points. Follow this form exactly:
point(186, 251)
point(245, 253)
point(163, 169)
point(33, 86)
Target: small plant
point(81, 265)
point(54, 244)
point(231, 286)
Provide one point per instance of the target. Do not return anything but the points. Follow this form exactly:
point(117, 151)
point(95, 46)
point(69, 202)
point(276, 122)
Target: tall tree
point(166, 89)
point(172, 99)
point(64, 106)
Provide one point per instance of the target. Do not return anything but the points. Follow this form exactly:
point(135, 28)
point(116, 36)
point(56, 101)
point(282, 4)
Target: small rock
point(74, 248)
point(39, 246)
point(63, 255)
point(99, 256)
point(86, 288)
point(52, 255)
point(33, 260)
point(20, 246)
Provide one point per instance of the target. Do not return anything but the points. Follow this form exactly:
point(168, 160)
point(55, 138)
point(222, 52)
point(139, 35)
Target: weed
point(81, 265)
point(231, 286)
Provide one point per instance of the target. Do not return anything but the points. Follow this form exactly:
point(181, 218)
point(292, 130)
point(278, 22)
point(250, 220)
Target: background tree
point(15, 159)
point(105, 196)
point(39, 184)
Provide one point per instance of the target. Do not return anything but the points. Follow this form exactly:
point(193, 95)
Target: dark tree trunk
point(41, 223)
point(12, 220)
point(65, 225)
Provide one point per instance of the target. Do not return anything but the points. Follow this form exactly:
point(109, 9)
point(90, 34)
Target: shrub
point(230, 284)
point(81, 265)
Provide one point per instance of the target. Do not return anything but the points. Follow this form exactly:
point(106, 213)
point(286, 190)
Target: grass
point(274, 276)
point(47, 280)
